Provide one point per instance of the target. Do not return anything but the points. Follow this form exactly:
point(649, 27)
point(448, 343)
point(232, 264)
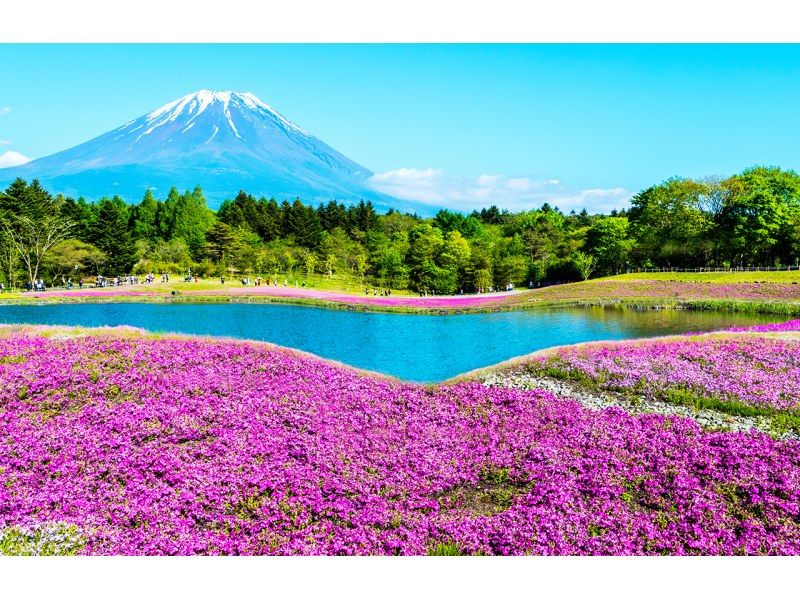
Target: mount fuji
point(221, 140)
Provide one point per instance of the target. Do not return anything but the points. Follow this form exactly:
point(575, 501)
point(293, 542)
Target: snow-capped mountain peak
point(196, 103)
point(190, 107)
point(221, 140)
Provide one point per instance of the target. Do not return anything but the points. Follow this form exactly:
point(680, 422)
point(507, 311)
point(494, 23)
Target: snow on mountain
point(221, 140)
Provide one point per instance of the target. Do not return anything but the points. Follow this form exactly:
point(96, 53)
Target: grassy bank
point(782, 277)
point(781, 298)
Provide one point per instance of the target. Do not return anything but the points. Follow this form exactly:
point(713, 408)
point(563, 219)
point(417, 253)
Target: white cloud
point(487, 180)
point(11, 158)
point(520, 184)
point(434, 187)
point(5, 110)
point(5, 142)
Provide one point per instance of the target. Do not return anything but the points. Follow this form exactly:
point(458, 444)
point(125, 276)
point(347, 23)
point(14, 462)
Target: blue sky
point(463, 125)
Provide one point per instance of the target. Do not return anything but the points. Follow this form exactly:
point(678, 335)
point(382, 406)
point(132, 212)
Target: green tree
point(669, 223)
point(145, 219)
point(302, 223)
point(425, 244)
point(454, 259)
point(73, 258)
point(310, 263)
point(192, 220)
point(112, 235)
point(608, 242)
point(584, 263)
point(759, 215)
point(219, 239)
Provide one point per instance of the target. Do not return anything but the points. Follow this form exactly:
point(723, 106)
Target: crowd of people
point(259, 281)
point(102, 282)
point(382, 292)
point(37, 285)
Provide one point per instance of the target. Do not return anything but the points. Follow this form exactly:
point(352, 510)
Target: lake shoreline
point(744, 297)
point(773, 307)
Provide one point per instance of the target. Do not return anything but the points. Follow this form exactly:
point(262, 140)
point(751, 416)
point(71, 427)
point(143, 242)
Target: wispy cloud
point(4, 110)
point(11, 158)
point(5, 142)
point(435, 187)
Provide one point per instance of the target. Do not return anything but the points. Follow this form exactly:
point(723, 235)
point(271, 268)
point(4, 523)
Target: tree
point(73, 258)
point(33, 237)
point(9, 259)
point(330, 263)
point(584, 264)
point(359, 265)
point(112, 235)
point(542, 239)
point(760, 209)
point(425, 244)
point(310, 263)
point(191, 220)
point(454, 259)
point(668, 221)
point(219, 239)
point(608, 242)
point(145, 218)
point(31, 201)
point(302, 223)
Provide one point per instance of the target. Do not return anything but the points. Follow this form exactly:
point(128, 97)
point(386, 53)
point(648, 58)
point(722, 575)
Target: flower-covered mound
point(192, 446)
point(742, 367)
point(778, 297)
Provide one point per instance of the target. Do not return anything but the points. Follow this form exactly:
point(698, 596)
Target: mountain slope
point(222, 141)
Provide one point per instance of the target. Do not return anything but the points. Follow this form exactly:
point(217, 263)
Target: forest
point(747, 219)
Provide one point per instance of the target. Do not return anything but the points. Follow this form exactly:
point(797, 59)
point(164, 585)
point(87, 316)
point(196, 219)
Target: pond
point(424, 348)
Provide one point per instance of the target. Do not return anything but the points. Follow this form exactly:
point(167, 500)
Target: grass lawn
point(785, 277)
point(340, 283)
point(337, 283)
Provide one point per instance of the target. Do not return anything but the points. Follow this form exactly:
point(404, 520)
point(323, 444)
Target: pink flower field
point(663, 289)
point(756, 370)
point(194, 446)
point(430, 302)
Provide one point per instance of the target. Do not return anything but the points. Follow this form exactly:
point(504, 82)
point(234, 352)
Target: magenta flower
point(192, 446)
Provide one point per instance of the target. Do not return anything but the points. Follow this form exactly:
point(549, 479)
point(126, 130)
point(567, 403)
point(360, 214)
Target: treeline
point(752, 218)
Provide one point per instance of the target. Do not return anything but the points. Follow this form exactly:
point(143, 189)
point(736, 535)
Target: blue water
point(413, 347)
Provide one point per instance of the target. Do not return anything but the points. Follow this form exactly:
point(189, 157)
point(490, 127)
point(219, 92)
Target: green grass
point(785, 277)
point(445, 549)
point(781, 308)
point(338, 283)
